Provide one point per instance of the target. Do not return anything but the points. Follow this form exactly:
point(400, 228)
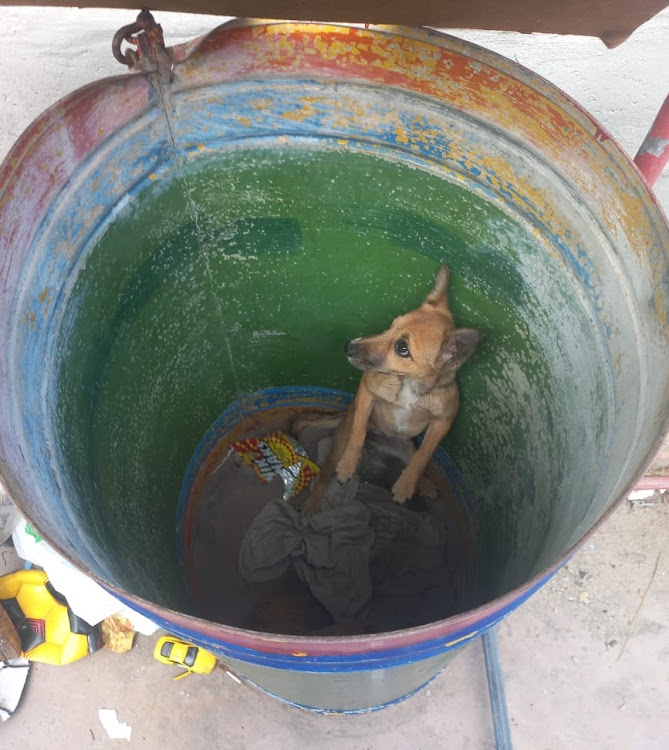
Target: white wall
point(47, 52)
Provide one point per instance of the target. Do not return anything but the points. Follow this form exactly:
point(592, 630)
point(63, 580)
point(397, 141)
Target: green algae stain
point(257, 280)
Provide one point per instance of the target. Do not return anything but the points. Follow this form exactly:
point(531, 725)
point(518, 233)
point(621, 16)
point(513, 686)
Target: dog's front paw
point(404, 488)
point(346, 468)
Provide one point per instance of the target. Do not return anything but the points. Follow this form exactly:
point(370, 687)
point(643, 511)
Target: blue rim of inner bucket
point(294, 397)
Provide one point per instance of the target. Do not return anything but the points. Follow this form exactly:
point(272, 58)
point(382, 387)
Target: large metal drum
point(166, 246)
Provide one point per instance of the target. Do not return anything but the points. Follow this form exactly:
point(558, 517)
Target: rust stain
point(43, 296)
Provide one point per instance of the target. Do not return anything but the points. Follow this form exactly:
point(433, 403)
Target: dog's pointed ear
point(438, 295)
point(458, 347)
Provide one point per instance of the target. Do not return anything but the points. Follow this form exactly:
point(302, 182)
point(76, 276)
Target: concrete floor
point(571, 680)
point(573, 677)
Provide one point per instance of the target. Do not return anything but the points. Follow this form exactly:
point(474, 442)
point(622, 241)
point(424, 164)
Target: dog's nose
point(350, 348)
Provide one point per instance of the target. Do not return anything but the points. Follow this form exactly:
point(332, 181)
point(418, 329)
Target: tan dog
point(408, 386)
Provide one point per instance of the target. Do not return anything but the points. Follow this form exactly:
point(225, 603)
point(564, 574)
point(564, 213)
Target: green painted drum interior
point(250, 269)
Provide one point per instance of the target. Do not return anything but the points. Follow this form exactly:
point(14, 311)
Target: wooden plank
point(610, 20)
point(10, 643)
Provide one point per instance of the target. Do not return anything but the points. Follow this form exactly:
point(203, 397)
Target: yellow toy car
point(171, 650)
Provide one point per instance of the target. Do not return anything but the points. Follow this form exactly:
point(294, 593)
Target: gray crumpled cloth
point(359, 545)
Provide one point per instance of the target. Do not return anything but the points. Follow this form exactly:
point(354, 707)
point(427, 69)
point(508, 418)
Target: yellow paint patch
point(306, 110)
point(401, 135)
point(467, 637)
point(43, 296)
point(261, 104)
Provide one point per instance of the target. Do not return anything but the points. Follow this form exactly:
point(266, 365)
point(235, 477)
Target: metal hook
point(151, 54)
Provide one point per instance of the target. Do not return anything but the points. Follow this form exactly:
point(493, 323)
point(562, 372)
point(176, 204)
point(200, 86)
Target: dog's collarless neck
point(411, 388)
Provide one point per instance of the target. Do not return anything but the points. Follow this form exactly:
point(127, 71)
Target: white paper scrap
point(114, 728)
point(13, 676)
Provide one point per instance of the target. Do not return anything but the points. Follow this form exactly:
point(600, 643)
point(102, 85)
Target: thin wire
point(155, 79)
point(638, 609)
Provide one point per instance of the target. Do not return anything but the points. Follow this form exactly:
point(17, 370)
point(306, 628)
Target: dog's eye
point(402, 348)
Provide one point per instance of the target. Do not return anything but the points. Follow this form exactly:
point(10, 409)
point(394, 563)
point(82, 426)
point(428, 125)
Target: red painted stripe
point(654, 152)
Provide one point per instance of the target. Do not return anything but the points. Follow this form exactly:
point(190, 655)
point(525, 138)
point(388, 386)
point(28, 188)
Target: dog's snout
point(351, 348)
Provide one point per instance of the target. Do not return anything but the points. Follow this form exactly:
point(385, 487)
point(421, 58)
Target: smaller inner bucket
point(420, 561)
